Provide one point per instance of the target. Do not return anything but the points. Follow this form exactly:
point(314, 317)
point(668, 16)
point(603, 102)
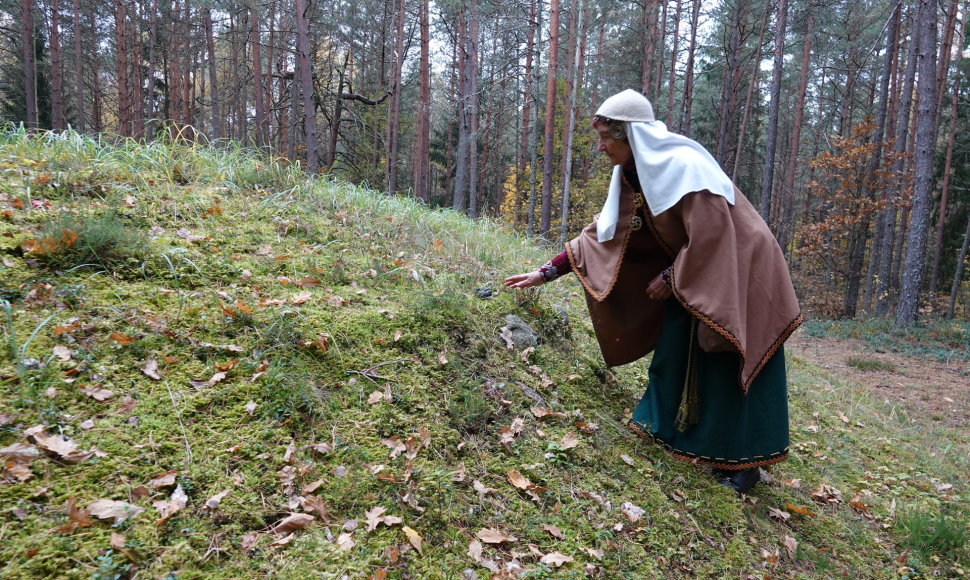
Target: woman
point(681, 264)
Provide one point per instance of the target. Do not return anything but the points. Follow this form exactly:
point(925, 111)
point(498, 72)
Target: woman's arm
point(551, 270)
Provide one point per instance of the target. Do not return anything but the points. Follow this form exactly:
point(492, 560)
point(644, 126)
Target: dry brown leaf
point(213, 502)
point(631, 511)
point(678, 495)
point(587, 428)
point(315, 504)
point(164, 480)
point(556, 559)
point(519, 480)
point(375, 397)
point(414, 537)
point(62, 352)
point(481, 489)
point(15, 470)
point(250, 407)
point(284, 540)
point(21, 451)
point(395, 444)
point(312, 487)
point(301, 297)
point(598, 554)
point(117, 541)
point(494, 536)
point(291, 523)
point(150, 369)
point(335, 301)
point(780, 515)
point(801, 510)
point(60, 446)
point(249, 540)
point(119, 511)
point(442, 358)
point(475, 550)
point(200, 384)
point(374, 517)
point(569, 441)
point(345, 541)
point(627, 459)
point(556, 532)
point(97, 393)
point(167, 509)
point(78, 516)
point(791, 544)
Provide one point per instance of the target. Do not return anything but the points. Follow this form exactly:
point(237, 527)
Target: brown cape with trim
point(728, 271)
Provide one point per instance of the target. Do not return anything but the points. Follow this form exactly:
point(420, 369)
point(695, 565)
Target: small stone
point(519, 333)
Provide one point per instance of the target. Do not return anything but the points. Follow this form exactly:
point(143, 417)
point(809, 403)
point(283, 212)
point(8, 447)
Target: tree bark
point(912, 271)
point(30, 65)
point(958, 275)
point(688, 102)
point(771, 139)
point(571, 125)
point(422, 163)
point(649, 24)
point(727, 108)
point(550, 121)
point(527, 102)
point(394, 103)
point(752, 85)
point(255, 39)
point(474, 193)
point(306, 85)
point(674, 52)
point(79, 91)
point(121, 56)
point(151, 112)
point(788, 189)
point(58, 120)
point(460, 198)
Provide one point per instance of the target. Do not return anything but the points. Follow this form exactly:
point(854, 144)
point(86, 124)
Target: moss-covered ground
point(227, 345)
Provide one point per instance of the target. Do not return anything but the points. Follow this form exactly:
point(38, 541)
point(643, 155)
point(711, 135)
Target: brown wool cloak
point(728, 271)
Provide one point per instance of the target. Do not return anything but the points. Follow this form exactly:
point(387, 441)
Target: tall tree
point(912, 271)
point(771, 137)
point(58, 119)
point(394, 103)
point(306, 85)
point(571, 123)
point(30, 65)
point(79, 89)
point(422, 153)
point(550, 121)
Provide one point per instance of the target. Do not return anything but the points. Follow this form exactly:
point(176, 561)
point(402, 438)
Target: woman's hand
point(525, 280)
point(657, 290)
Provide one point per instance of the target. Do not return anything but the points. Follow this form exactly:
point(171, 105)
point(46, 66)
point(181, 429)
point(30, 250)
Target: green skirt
point(732, 431)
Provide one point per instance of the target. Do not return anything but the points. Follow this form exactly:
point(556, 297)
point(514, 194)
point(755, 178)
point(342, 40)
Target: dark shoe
point(740, 481)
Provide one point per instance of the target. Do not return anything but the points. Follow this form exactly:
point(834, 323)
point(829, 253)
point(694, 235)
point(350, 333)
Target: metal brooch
point(636, 223)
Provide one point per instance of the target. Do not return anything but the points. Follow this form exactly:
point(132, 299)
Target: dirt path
point(927, 389)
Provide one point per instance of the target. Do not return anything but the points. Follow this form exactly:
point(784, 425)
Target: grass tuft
point(865, 363)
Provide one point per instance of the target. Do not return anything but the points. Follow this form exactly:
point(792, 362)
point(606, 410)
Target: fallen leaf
point(292, 522)
point(825, 493)
point(413, 537)
point(15, 470)
point(335, 301)
point(587, 428)
point(374, 517)
point(494, 536)
point(249, 540)
point(556, 532)
point(60, 446)
point(200, 383)
point(313, 503)
point(791, 544)
point(284, 540)
point(569, 441)
point(150, 369)
point(542, 413)
point(227, 366)
point(164, 480)
point(481, 489)
point(97, 393)
point(250, 407)
point(19, 451)
point(345, 541)
point(627, 459)
point(778, 514)
point(78, 516)
point(519, 480)
point(801, 510)
point(213, 502)
point(62, 352)
point(117, 541)
point(631, 511)
point(119, 511)
point(678, 495)
point(375, 397)
point(556, 559)
point(175, 503)
point(395, 444)
point(475, 550)
point(120, 338)
point(301, 298)
point(598, 554)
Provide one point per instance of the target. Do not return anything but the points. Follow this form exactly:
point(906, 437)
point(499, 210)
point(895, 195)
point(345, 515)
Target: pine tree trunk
point(460, 199)
point(137, 94)
point(788, 189)
point(97, 112)
point(58, 120)
point(688, 102)
point(527, 102)
point(30, 65)
point(258, 94)
point(306, 85)
point(748, 99)
point(150, 111)
point(121, 56)
point(422, 161)
point(958, 275)
point(571, 125)
point(912, 271)
point(771, 139)
point(79, 92)
point(474, 193)
point(674, 52)
point(550, 122)
point(394, 102)
point(727, 109)
point(649, 24)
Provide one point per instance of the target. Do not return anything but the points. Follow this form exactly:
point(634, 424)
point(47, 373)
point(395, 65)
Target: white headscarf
point(669, 166)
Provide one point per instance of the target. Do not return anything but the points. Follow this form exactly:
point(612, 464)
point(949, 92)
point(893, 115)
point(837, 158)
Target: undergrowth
point(286, 348)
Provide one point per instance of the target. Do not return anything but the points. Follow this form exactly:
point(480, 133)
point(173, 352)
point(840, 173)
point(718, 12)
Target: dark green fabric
point(733, 430)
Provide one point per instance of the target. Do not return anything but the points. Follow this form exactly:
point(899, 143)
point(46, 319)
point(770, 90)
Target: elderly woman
point(679, 263)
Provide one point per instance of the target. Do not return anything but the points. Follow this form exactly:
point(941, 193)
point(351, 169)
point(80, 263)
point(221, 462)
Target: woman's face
point(619, 152)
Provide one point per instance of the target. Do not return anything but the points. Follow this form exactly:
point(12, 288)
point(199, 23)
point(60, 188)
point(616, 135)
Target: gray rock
point(517, 334)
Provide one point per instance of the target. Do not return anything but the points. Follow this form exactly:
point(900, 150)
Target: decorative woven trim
point(775, 346)
point(719, 462)
point(616, 272)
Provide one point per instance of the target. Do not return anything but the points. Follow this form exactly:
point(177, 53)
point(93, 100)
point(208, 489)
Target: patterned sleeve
point(555, 268)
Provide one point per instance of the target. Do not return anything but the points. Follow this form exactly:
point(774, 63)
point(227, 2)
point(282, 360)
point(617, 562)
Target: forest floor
point(213, 367)
point(925, 389)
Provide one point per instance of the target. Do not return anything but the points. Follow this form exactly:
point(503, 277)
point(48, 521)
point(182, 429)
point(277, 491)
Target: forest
point(841, 121)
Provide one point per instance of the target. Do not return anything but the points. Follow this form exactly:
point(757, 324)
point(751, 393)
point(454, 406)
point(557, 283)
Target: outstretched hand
point(524, 280)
